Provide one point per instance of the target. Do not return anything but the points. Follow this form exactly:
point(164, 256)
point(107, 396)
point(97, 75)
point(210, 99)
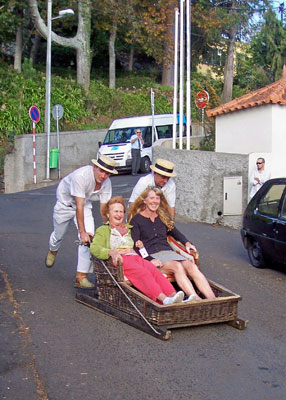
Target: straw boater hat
point(105, 163)
point(163, 167)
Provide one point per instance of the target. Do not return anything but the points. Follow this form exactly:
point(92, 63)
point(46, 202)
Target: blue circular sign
point(34, 114)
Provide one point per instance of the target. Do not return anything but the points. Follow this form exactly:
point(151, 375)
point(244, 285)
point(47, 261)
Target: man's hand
point(86, 237)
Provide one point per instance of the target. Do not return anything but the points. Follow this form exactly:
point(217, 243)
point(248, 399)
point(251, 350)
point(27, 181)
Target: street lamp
point(62, 13)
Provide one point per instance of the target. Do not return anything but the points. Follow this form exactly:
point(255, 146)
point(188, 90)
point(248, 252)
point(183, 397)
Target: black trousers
point(136, 158)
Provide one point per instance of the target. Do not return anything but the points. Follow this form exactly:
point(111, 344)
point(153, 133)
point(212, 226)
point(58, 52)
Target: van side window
point(166, 131)
point(147, 137)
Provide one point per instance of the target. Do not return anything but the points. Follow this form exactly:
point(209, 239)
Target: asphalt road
point(52, 347)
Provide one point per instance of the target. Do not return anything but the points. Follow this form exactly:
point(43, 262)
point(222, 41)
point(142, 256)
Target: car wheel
point(145, 165)
point(255, 254)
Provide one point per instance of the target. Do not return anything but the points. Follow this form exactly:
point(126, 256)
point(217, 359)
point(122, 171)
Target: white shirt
point(81, 183)
point(263, 176)
point(169, 189)
point(137, 144)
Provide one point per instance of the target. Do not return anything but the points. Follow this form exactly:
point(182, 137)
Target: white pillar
point(188, 82)
point(181, 73)
point(48, 85)
point(175, 99)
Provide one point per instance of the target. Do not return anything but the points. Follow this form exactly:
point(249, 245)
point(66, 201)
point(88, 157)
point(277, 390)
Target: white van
point(117, 140)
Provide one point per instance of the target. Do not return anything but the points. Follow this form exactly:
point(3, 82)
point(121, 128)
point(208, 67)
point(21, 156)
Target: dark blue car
point(264, 224)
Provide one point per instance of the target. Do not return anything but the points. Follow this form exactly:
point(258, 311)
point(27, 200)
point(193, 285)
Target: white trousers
point(62, 217)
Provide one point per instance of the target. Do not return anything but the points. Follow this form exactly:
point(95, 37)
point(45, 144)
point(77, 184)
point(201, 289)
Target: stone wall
point(200, 183)
point(77, 149)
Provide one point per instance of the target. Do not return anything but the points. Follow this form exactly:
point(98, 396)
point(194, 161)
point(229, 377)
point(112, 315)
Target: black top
point(153, 234)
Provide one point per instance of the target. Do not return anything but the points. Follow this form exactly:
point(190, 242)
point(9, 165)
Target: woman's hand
point(157, 263)
point(189, 246)
point(139, 244)
point(116, 257)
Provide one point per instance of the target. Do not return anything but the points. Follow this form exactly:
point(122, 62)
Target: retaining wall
point(77, 149)
point(199, 183)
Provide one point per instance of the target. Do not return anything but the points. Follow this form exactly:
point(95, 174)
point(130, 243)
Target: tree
point(268, 47)
point(80, 42)
point(224, 23)
point(157, 34)
point(12, 22)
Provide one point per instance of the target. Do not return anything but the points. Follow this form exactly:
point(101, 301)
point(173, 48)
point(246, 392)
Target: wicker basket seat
point(223, 308)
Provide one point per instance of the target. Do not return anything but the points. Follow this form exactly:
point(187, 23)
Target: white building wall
point(278, 165)
point(245, 131)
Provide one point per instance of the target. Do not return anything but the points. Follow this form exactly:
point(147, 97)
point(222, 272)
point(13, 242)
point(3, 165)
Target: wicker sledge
point(118, 298)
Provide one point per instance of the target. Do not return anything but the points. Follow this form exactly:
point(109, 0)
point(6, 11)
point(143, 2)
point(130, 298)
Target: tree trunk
point(131, 57)
point(112, 57)
point(168, 65)
point(83, 53)
point(168, 75)
point(18, 49)
point(80, 42)
point(228, 70)
point(229, 61)
point(35, 48)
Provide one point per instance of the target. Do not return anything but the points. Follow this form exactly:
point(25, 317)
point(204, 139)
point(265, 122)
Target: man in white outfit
point(258, 176)
point(161, 177)
point(75, 194)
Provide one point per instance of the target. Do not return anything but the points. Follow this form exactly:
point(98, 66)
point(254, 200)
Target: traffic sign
point(34, 114)
point(58, 111)
point(202, 99)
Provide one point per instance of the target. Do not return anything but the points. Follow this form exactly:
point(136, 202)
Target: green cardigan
point(100, 245)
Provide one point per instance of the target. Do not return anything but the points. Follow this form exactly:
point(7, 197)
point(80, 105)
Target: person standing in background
point(137, 143)
point(258, 176)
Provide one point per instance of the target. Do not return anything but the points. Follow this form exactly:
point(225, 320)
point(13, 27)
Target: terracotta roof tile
point(274, 93)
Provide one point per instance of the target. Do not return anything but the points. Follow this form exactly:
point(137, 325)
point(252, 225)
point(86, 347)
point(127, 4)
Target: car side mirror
point(99, 144)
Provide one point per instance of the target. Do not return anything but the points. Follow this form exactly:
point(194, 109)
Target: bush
point(20, 91)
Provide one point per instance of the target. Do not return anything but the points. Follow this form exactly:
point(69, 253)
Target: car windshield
point(122, 135)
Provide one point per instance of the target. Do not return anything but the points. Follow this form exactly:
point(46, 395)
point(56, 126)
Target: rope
point(128, 298)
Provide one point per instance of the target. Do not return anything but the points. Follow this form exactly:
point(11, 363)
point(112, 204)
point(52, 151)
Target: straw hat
point(105, 163)
point(163, 167)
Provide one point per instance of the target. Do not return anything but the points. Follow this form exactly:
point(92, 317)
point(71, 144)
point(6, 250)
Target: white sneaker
point(178, 298)
point(192, 297)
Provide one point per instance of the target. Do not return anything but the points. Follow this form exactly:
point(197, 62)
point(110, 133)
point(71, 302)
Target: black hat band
point(164, 169)
point(103, 164)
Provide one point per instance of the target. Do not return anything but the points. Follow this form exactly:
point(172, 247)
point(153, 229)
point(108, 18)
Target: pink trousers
point(146, 277)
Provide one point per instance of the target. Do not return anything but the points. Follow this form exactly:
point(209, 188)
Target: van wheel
point(255, 254)
point(145, 165)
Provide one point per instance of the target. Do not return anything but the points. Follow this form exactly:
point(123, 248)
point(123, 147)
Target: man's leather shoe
point(50, 259)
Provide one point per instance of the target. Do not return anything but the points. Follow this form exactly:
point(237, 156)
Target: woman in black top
point(149, 215)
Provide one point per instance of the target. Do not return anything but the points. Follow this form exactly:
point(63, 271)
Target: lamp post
point(62, 14)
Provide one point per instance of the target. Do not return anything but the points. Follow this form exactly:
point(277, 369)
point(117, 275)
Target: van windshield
point(122, 135)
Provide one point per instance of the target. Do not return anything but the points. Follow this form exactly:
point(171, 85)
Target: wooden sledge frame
point(151, 317)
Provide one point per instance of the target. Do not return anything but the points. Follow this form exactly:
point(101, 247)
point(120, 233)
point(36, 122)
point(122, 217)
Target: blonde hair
point(113, 200)
point(163, 211)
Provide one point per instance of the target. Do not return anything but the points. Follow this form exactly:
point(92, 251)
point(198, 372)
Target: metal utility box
point(232, 195)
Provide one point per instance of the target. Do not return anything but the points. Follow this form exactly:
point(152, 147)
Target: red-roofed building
point(255, 124)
